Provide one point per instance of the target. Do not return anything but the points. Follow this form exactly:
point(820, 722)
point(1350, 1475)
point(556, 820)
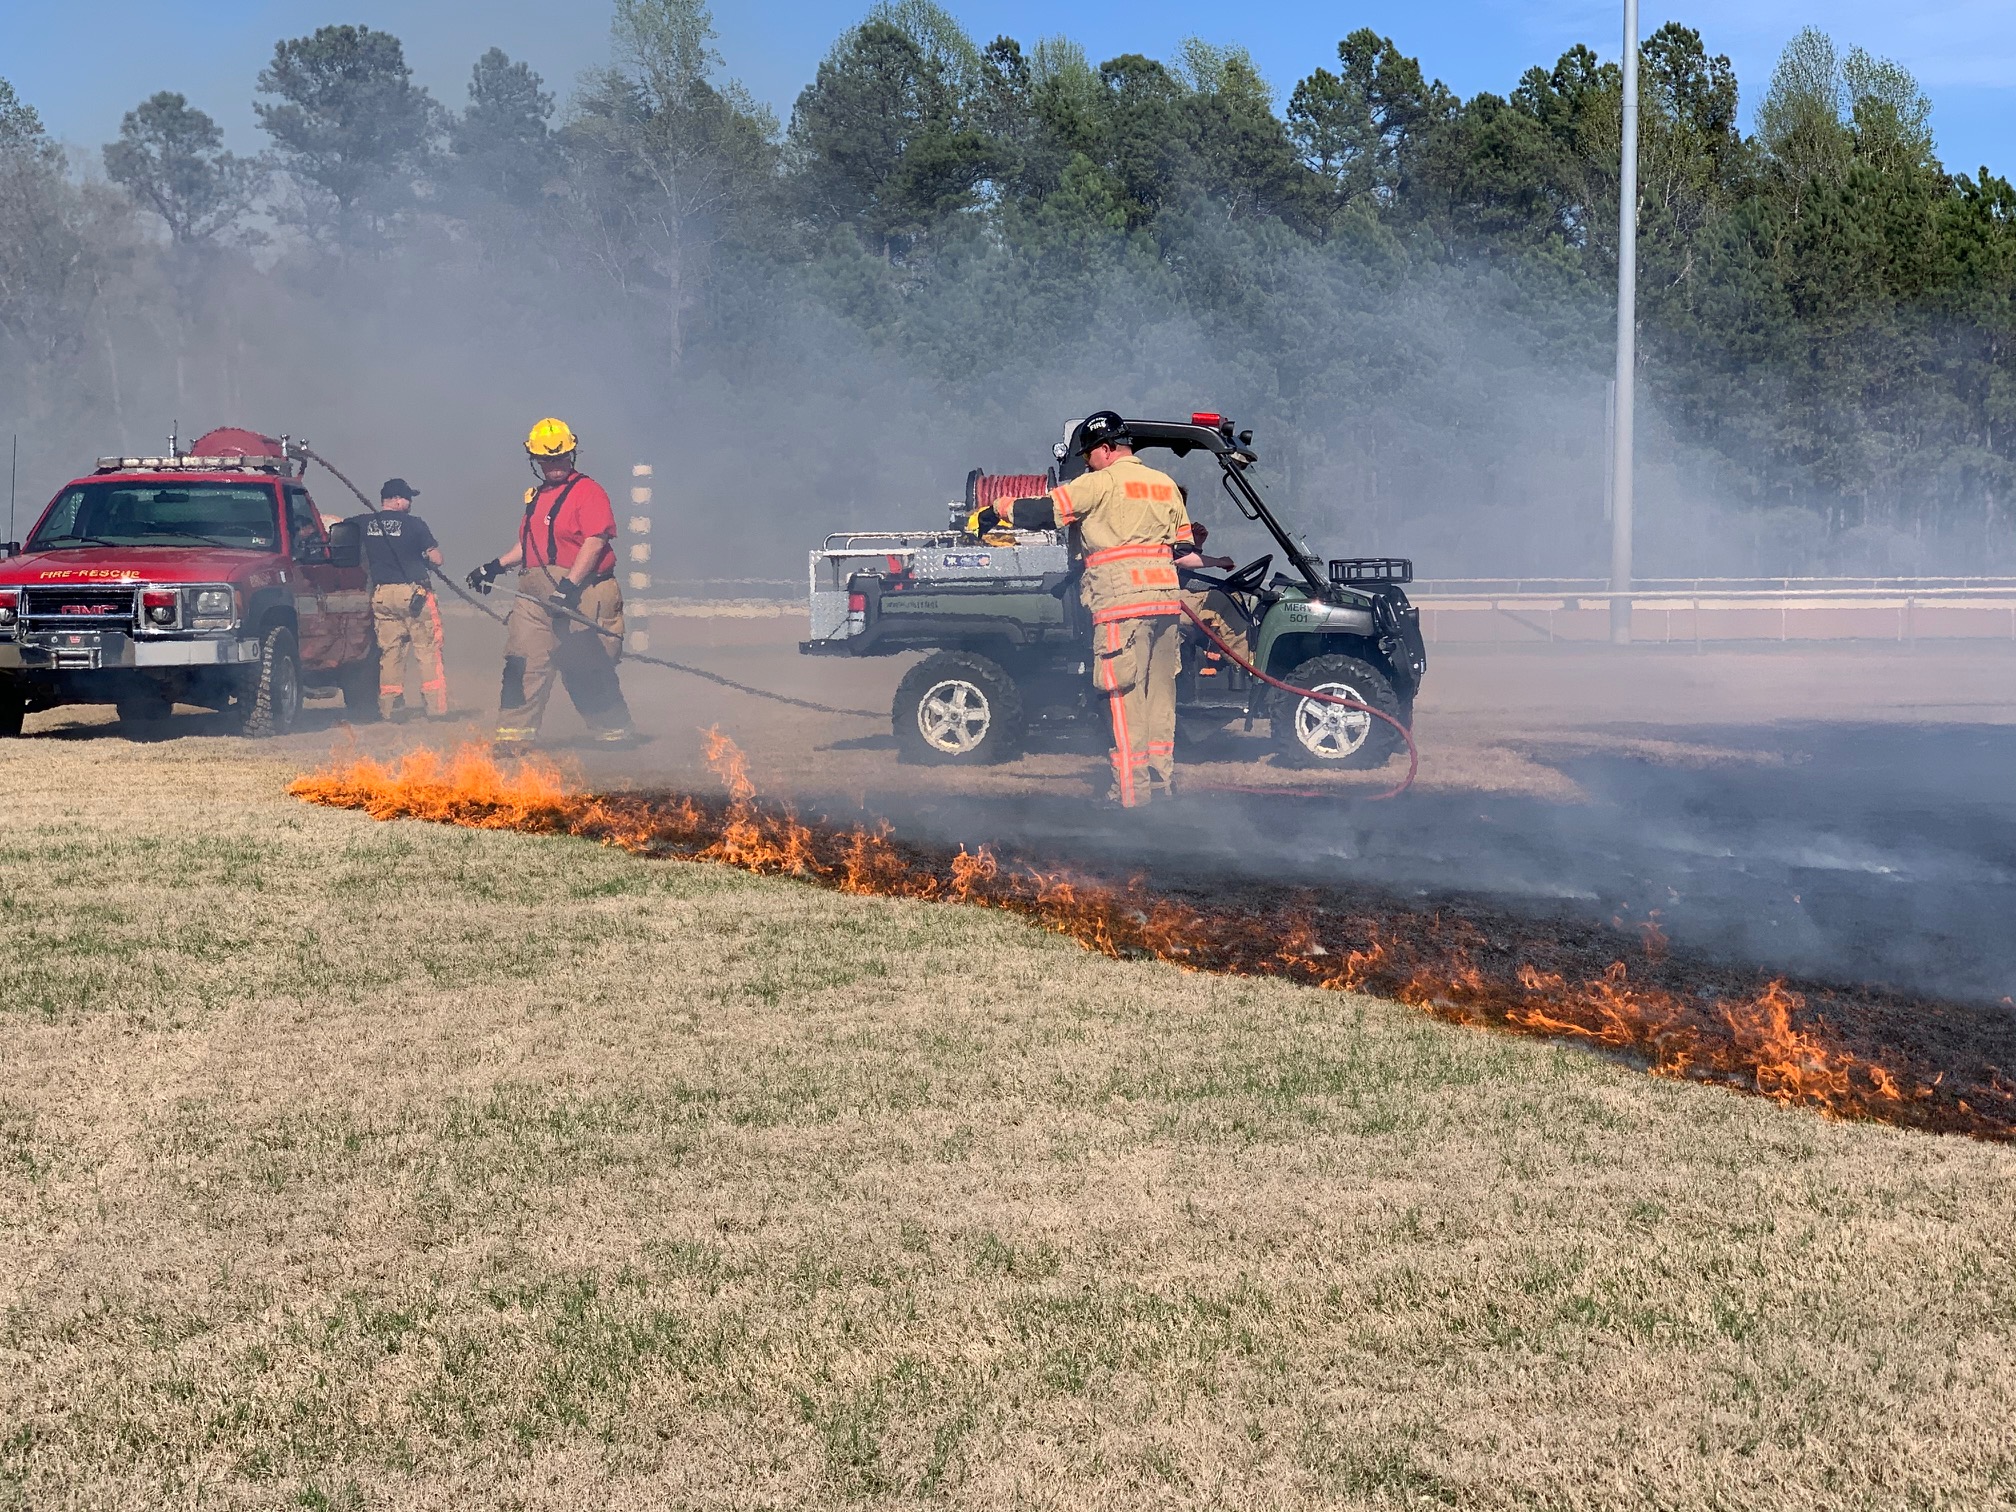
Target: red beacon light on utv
point(1206, 417)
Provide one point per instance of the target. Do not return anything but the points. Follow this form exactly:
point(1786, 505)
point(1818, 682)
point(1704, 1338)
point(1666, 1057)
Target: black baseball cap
point(398, 488)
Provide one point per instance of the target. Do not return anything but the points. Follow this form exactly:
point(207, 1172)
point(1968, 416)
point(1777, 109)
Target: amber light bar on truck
point(283, 466)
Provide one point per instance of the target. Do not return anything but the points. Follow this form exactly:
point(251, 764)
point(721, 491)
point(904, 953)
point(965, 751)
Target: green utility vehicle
point(1006, 638)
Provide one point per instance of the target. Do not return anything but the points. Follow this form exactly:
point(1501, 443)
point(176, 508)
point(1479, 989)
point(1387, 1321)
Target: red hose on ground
point(1413, 755)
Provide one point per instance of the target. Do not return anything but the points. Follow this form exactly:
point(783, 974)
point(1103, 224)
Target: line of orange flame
point(1763, 1042)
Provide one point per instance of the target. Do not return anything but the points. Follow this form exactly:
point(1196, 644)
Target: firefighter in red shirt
point(567, 562)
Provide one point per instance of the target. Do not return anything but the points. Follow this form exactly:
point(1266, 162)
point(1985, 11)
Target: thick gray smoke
point(1439, 432)
point(1411, 415)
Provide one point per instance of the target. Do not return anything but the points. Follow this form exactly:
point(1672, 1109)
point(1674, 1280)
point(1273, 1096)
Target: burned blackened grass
point(1846, 1052)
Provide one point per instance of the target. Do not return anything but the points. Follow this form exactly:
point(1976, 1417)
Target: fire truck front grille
point(77, 609)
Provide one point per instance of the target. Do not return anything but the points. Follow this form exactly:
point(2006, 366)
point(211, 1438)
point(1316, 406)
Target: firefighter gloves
point(480, 578)
point(568, 595)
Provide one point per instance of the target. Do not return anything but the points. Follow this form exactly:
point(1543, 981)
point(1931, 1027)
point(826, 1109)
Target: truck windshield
point(159, 514)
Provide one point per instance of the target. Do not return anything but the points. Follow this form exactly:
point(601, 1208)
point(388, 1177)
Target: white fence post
point(639, 554)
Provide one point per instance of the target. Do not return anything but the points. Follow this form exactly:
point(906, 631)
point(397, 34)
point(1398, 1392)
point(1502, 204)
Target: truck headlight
point(215, 609)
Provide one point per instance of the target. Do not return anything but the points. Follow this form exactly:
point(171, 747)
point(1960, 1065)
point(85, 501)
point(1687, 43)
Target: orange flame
point(1768, 1041)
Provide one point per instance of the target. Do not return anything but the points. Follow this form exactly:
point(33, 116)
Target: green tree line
point(1408, 291)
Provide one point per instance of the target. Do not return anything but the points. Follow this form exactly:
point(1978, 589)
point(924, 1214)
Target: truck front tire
point(13, 709)
point(957, 709)
point(272, 703)
point(1311, 734)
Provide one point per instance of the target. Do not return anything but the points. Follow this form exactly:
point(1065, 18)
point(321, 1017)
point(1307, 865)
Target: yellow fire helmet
point(551, 438)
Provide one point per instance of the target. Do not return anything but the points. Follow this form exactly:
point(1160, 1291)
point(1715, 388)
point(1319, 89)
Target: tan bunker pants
point(1134, 664)
point(540, 645)
point(407, 617)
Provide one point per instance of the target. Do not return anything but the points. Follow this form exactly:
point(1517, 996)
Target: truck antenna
point(13, 471)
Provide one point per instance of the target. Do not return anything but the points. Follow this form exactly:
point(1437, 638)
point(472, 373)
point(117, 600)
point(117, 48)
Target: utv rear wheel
point(957, 709)
point(272, 703)
point(1308, 733)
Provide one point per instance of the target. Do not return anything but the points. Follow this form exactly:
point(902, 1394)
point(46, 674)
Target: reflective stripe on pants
point(1134, 664)
point(400, 627)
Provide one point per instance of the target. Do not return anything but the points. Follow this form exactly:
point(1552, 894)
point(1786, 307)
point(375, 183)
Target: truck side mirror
point(346, 544)
point(9, 549)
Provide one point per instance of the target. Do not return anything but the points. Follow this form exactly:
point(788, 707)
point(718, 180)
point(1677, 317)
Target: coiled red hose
point(994, 488)
point(1413, 754)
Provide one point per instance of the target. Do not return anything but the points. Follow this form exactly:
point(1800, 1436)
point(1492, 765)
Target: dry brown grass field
point(350, 1165)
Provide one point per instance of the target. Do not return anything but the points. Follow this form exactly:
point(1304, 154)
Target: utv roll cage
point(1234, 454)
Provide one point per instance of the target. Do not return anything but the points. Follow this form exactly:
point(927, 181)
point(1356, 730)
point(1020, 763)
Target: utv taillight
point(7, 604)
point(159, 604)
point(857, 613)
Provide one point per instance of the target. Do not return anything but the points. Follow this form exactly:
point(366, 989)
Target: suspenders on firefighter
point(567, 565)
point(1131, 522)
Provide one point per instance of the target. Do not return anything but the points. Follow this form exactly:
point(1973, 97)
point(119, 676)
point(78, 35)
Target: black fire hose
point(1413, 754)
point(658, 661)
point(581, 619)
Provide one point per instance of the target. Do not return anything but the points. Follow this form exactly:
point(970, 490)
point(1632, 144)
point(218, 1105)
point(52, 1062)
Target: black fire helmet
point(1101, 428)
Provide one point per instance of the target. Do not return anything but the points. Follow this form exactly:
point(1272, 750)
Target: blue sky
point(83, 64)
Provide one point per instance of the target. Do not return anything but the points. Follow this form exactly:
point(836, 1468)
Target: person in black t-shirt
point(398, 547)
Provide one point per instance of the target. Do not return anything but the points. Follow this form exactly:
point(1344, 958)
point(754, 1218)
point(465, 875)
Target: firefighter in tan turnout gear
point(567, 564)
point(1131, 523)
point(398, 547)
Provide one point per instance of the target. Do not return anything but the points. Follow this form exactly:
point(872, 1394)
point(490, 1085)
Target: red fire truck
point(203, 577)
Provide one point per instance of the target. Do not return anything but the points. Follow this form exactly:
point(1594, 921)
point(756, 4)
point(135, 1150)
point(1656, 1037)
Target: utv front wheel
point(957, 709)
point(1311, 733)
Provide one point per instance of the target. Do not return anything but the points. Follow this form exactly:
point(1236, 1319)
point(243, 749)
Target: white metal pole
point(638, 624)
point(1627, 342)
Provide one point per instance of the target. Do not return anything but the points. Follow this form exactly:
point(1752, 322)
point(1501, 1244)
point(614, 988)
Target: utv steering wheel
point(1248, 578)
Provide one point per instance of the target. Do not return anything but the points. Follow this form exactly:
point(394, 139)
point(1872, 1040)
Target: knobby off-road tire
point(272, 703)
point(957, 709)
point(1311, 734)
